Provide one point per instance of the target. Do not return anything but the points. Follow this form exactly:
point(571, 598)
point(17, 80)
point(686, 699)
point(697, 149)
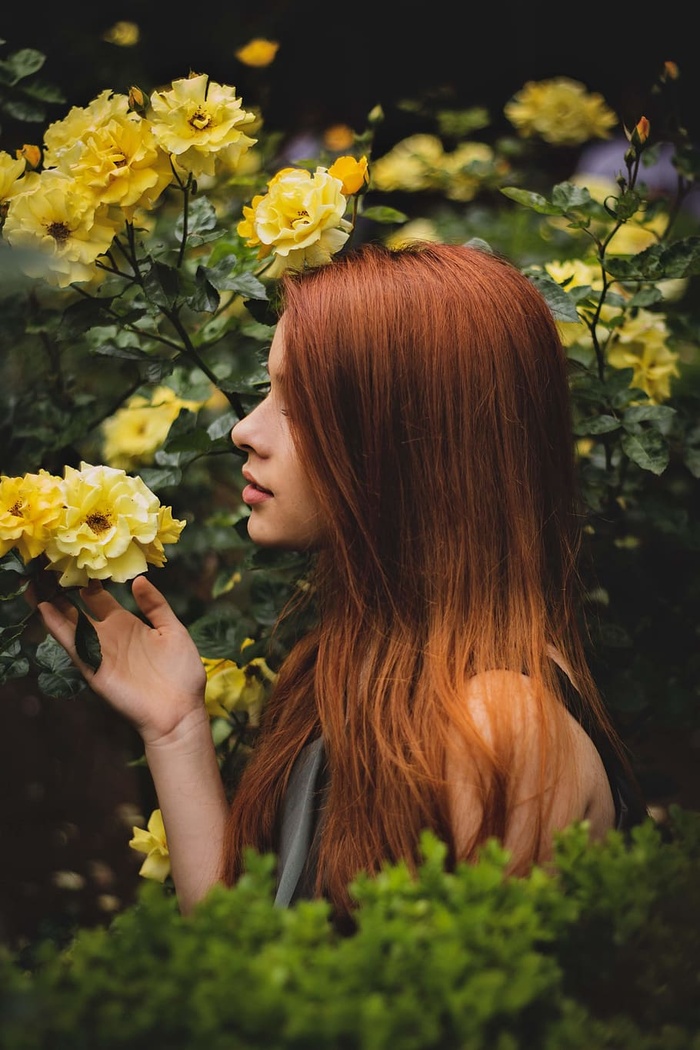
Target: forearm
point(193, 803)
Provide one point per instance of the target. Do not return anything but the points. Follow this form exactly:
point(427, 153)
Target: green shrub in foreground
point(606, 954)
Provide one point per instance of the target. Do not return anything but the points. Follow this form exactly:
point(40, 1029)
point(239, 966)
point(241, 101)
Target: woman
point(416, 438)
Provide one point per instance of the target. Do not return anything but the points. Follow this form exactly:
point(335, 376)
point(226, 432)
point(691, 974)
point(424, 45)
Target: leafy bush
point(602, 951)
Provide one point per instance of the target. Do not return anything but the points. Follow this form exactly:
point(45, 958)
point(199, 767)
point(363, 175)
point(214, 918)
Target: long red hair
point(428, 397)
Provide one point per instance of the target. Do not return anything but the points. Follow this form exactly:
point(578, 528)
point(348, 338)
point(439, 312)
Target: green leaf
point(562, 305)
point(87, 644)
point(602, 424)
point(384, 214)
point(59, 677)
point(534, 201)
point(647, 449)
point(22, 63)
point(658, 262)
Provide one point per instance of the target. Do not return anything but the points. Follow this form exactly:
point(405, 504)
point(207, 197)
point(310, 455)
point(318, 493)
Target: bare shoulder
point(554, 767)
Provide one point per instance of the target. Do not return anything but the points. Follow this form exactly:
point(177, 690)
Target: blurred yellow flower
point(420, 162)
point(11, 172)
point(641, 344)
point(576, 273)
point(409, 165)
point(232, 687)
point(123, 34)
point(111, 527)
point(154, 844)
point(196, 119)
point(62, 232)
point(29, 506)
point(352, 172)
point(299, 220)
point(416, 230)
point(561, 111)
point(338, 137)
point(135, 432)
point(258, 52)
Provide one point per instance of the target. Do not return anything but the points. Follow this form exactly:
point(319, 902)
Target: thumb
point(153, 604)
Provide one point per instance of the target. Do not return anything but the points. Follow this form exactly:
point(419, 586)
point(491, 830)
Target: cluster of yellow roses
point(108, 163)
point(95, 522)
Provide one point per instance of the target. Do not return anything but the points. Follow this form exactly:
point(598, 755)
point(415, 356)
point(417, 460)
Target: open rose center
point(98, 522)
point(59, 231)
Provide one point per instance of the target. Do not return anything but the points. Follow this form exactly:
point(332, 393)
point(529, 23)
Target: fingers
point(60, 622)
point(152, 604)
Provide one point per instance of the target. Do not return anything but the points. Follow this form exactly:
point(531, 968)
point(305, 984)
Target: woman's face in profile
point(283, 510)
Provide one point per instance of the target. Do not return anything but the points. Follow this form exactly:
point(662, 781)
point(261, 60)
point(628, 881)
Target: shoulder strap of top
point(297, 820)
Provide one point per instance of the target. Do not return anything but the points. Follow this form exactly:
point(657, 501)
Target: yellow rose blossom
point(561, 111)
point(29, 507)
point(79, 123)
point(111, 525)
point(232, 687)
point(352, 172)
point(196, 119)
point(258, 52)
point(137, 430)
point(641, 344)
point(121, 163)
point(154, 844)
point(409, 165)
point(299, 220)
point(61, 231)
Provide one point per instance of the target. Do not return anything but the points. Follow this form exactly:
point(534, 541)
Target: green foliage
point(602, 951)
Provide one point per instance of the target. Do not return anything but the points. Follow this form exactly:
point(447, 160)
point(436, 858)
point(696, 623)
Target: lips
point(253, 492)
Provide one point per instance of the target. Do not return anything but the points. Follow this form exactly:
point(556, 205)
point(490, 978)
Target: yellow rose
point(120, 162)
point(409, 165)
point(641, 344)
point(352, 172)
point(231, 687)
point(196, 119)
point(299, 220)
point(109, 527)
point(29, 507)
point(135, 432)
point(79, 123)
point(560, 111)
point(258, 52)
point(153, 843)
point(60, 229)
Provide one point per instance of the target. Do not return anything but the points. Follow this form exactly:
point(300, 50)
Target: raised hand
point(150, 672)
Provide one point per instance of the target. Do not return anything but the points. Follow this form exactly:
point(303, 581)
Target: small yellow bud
point(31, 154)
point(137, 101)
